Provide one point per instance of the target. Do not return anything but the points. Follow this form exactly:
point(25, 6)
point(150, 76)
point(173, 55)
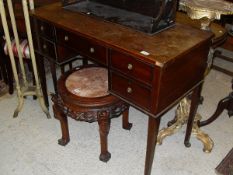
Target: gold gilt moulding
point(207, 11)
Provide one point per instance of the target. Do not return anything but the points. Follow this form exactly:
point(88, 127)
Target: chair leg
point(70, 65)
point(125, 120)
point(3, 70)
point(62, 69)
point(30, 68)
point(85, 61)
point(42, 77)
point(10, 76)
point(58, 114)
point(104, 127)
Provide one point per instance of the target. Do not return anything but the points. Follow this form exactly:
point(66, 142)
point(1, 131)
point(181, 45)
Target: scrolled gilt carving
point(212, 9)
point(182, 114)
point(206, 11)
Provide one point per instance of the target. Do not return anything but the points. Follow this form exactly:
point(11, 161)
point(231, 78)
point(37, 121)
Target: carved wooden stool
point(83, 95)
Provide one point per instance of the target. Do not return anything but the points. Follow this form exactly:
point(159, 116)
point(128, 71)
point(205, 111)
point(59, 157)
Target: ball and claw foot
point(63, 142)
point(105, 157)
point(187, 144)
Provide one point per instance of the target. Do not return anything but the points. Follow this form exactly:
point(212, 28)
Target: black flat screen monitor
point(148, 16)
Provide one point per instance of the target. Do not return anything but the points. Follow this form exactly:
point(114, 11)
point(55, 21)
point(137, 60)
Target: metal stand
point(226, 103)
point(25, 89)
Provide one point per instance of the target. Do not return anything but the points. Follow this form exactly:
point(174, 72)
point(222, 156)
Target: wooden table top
point(162, 47)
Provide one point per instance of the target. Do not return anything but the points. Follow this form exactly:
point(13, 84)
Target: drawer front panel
point(131, 91)
point(47, 48)
point(64, 53)
point(46, 30)
point(83, 46)
point(132, 67)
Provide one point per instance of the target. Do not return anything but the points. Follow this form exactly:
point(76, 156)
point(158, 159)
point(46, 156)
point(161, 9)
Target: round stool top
point(88, 82)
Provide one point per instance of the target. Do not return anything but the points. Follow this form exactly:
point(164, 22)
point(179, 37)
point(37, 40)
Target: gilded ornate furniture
point(150, 72)
point(183, 108)
point(83, 95)
point(205, 12)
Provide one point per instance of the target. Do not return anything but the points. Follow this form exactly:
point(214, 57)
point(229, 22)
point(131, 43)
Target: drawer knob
point(66, 38)
point(92, 50)
point(129, 90)
point(41, 28)
point(130, 66)
point(44, 46)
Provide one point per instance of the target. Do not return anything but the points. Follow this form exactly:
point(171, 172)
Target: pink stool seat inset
point(83, 95)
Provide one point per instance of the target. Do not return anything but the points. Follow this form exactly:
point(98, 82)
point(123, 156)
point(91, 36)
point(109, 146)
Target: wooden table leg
point(193, 109)
point(42, 76)
point(153, 128)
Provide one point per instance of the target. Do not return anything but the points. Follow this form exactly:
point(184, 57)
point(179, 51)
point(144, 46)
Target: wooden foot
point(63, 142)
point(105, 157)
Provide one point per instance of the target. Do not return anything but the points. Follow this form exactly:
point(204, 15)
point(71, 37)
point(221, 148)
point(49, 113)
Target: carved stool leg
point(125, 120)
point(104, 127)
point(58, 114)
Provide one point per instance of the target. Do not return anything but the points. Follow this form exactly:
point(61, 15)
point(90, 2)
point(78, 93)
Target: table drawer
point(130, 90)
point(47, 48)
point(84, 46)
point(132, 66)
point(46, 30)
point(64, 54)
point(56, 52)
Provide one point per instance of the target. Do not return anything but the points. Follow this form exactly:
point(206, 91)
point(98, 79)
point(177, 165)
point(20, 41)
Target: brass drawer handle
point(92, 50)
point(129, 90)
point(66, 38)
point(130, 66)
point(44, 46)
point(42, 28)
